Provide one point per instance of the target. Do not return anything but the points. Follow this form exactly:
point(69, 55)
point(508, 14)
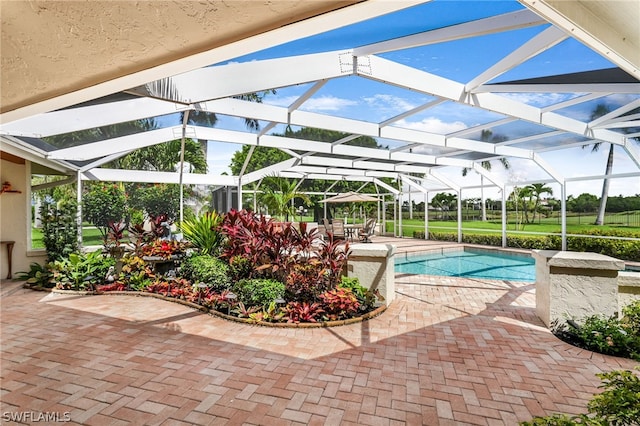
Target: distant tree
point(538, 189)
point(583, 203)
point(599, 111)
point(487, 136)
point(445, 202)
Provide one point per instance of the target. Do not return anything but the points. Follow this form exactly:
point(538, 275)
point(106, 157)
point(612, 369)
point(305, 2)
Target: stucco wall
point(14, 218)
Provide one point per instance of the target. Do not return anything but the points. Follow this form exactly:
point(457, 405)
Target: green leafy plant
point(37, 276)
point(136, 273)
point(339, 303)
point(366, 297)
point(81, 271)
point(272, 313)
point(631, 317)
point(607, 335)
point(240, 267)
point(245, 312)
point(617, 405)
point(59, 228)
point(204, 232)
point(258, 292)
point(298, 312)
point(209, 270)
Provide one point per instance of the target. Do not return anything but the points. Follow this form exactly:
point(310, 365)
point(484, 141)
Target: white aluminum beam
point(601, 88)
point(14, 147)
point(541, 42)
point(115, 145)
point(489, 176)
point(444, 180)
point(233, 79)
point(616, 113)
point(270, 170)
point(544, 165)
point(389, 188)
point(91, 116)
point(411, 112)
point(574, 101)
point(118, 175)
point(412, 184)
point(491, 25)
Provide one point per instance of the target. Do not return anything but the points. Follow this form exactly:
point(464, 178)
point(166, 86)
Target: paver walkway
point(448, 351)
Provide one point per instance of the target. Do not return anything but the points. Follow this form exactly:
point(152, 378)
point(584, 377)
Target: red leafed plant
point(180, 288)
point(163, 248)
point(340, 303)
point(116, 286)
point(297, 312)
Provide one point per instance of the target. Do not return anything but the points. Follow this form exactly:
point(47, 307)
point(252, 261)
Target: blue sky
point(354, 97)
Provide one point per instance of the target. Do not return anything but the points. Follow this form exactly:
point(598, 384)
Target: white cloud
point(322, 103)
point(538, 99)
point(434, 125)
point(388, 103)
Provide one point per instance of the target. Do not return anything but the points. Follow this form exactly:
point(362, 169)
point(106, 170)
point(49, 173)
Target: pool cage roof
point(507, 92)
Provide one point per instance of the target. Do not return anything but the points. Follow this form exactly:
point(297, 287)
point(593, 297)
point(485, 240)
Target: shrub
point(204, 233)
point(618, 404)
point(365, 296)
point(297, 312)
point(210, 270)
point(59, 228)
point(37, 276)
point(81, 271)
point(621, 249)
point(607, 335)
point(258, 292)
point(240, 267)
point(631, 317)
point(339, 303)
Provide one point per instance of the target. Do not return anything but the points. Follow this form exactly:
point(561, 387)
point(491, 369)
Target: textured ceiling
point(49, 48)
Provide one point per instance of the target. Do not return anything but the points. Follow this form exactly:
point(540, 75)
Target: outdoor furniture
point(338, 230)
point(367, 231)
point(351, 230)
point(9, 255)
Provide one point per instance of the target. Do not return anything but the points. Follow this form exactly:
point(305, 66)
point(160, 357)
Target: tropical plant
point(258, 292)
point(617, 405)
point(81, 271)
point(537, 189)
point(339, 303)
point(445, 202)
point(278, 195)
point(204, 232)
point(59, 228)
point(271, 313)
point(209, 270)
point(297, 312)
point(37, 276)
point(366, 297)
point(164, 248)
point(103, 204)
point(136, 273)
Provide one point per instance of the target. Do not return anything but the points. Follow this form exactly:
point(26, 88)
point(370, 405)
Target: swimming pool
point(469, 263)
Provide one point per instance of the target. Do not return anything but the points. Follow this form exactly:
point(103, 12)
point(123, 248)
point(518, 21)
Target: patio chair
point(367, 231)
point(338, 230)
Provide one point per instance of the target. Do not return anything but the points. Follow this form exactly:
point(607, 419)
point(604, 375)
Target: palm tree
point(487, 136)
point(278, 194)
point(599, 111)
point(537, 189)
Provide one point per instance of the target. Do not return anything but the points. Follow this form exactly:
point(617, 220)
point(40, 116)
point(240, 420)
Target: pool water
point(469, 263)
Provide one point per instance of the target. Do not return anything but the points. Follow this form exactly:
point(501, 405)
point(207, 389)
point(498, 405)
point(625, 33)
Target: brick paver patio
point(449, 351)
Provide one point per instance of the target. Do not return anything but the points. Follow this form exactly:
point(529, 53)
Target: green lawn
point(90, 237)
point(495, 227)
